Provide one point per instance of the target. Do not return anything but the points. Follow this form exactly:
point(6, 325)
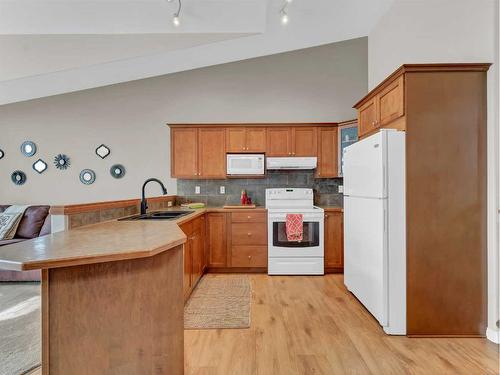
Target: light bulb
point(284, 18)
point(176, 21)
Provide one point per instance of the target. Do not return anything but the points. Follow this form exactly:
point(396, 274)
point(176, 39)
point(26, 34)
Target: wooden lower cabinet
point(194, 253)
point(249, 256)
point(334, 241)
point(247, 240)
point(216, 239)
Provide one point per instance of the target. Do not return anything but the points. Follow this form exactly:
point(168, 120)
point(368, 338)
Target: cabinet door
point(256, 140)
point(279, 141)
point(216, 239)
point(197, 254)
point(391, 102)
point(184, 152)
point(334, 241)
point(367, 117)
point(235, 140)
point(188, 259)
point(305, 141)
point(212, 153)
point(327, 153)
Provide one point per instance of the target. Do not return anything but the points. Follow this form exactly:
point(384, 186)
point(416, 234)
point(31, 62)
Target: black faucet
point(144, 203)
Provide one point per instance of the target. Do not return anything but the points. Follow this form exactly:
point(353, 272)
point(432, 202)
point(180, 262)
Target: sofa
point(35, 223)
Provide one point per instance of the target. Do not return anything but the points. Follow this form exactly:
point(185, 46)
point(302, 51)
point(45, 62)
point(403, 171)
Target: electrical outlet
point(170, 204)
point(341, 188)
point(222, 190)
point(197, 190)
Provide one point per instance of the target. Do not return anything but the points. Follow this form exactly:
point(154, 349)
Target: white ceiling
point(53, 47)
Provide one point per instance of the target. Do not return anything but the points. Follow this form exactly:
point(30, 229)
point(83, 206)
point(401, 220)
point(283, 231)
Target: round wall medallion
point(2, 154)
point(117, 171)
point(28, 148)
point(40, 166)
point(87, 176)
point(61, 161)
point(18, 177)
point(102, 151)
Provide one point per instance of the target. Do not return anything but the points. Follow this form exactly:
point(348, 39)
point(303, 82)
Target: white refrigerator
point(374, 227)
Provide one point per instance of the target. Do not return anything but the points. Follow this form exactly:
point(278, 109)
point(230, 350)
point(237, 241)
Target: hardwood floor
point(313, 325)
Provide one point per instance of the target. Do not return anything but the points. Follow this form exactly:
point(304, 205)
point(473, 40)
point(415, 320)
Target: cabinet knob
point(249, 257)
point(249, 234)
point(249, 217)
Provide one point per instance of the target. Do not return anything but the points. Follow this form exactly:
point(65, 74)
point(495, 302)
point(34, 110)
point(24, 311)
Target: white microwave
point(245, 164)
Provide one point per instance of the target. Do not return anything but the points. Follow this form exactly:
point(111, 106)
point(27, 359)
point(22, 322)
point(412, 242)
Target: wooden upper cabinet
point(382, 107)
point(305, 141)
point(246, 139)
point(236, 140)
point(327, 152)
point(334, 241)
point(184, 152)
point(256, 139)
point(212, 153)
point(391, 102)
point(216, 239)
point(279, 141)
point(367, 117)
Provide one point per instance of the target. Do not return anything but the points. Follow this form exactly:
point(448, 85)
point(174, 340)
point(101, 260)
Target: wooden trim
point(334, 270)
point(426, 68)
point(97, 206)
point(237, 270)
point(232, 125)
point(447, 336)
point(333, 209)
point(347, 123)
point(45, 322)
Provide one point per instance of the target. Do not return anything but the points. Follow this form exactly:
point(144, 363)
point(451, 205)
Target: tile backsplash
point(325, 190)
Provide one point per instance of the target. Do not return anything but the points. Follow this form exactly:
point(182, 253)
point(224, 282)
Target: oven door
point(312, 241)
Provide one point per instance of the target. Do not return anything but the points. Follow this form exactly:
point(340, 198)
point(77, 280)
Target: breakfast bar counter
point(112, 298)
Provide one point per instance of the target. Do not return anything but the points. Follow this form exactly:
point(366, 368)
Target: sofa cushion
point(9, 242)
point(32, 222)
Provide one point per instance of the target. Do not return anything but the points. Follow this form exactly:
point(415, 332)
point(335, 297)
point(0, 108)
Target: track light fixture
point(284, 13)
point(176, 20)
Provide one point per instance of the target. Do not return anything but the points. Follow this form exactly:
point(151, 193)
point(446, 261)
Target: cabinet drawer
point(249, 234)
point(249, 217)
point(249, 256)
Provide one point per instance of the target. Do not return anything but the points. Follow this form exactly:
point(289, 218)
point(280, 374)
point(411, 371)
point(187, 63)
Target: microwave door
point(245, 164)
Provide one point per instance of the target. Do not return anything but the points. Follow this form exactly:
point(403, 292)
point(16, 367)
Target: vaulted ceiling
point(49, 47)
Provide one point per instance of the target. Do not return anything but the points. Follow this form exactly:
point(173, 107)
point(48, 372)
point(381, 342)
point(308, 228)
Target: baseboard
point(493, 335)
point(334, 270)
point(236, 270)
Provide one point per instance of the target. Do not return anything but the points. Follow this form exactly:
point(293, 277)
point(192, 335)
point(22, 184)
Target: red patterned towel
point(294, 227)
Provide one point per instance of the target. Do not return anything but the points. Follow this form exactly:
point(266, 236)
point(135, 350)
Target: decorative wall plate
point(117, 171)
point(28, 148)
point(102, 151)
point(87, 176)
point(62, 161)
point(40, 166)
point(2, 154)
point(18, 177)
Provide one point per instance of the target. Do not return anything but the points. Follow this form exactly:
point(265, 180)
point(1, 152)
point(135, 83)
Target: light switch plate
point(170, 204)
point(197, 190)
point(341, 188)
point(222, 190)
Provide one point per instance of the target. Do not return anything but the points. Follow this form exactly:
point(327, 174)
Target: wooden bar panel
point(446, 203)
point(123, 317)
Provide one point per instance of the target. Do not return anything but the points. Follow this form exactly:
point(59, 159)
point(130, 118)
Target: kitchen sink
point(162, 215)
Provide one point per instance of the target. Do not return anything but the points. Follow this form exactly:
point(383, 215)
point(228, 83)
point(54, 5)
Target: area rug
point(20, 328)
point(218, 302)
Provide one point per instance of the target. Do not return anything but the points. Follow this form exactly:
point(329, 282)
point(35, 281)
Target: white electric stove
point(285, 257)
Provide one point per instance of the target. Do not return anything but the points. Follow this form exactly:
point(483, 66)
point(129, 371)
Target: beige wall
point(431, 31)
point(316, 84)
